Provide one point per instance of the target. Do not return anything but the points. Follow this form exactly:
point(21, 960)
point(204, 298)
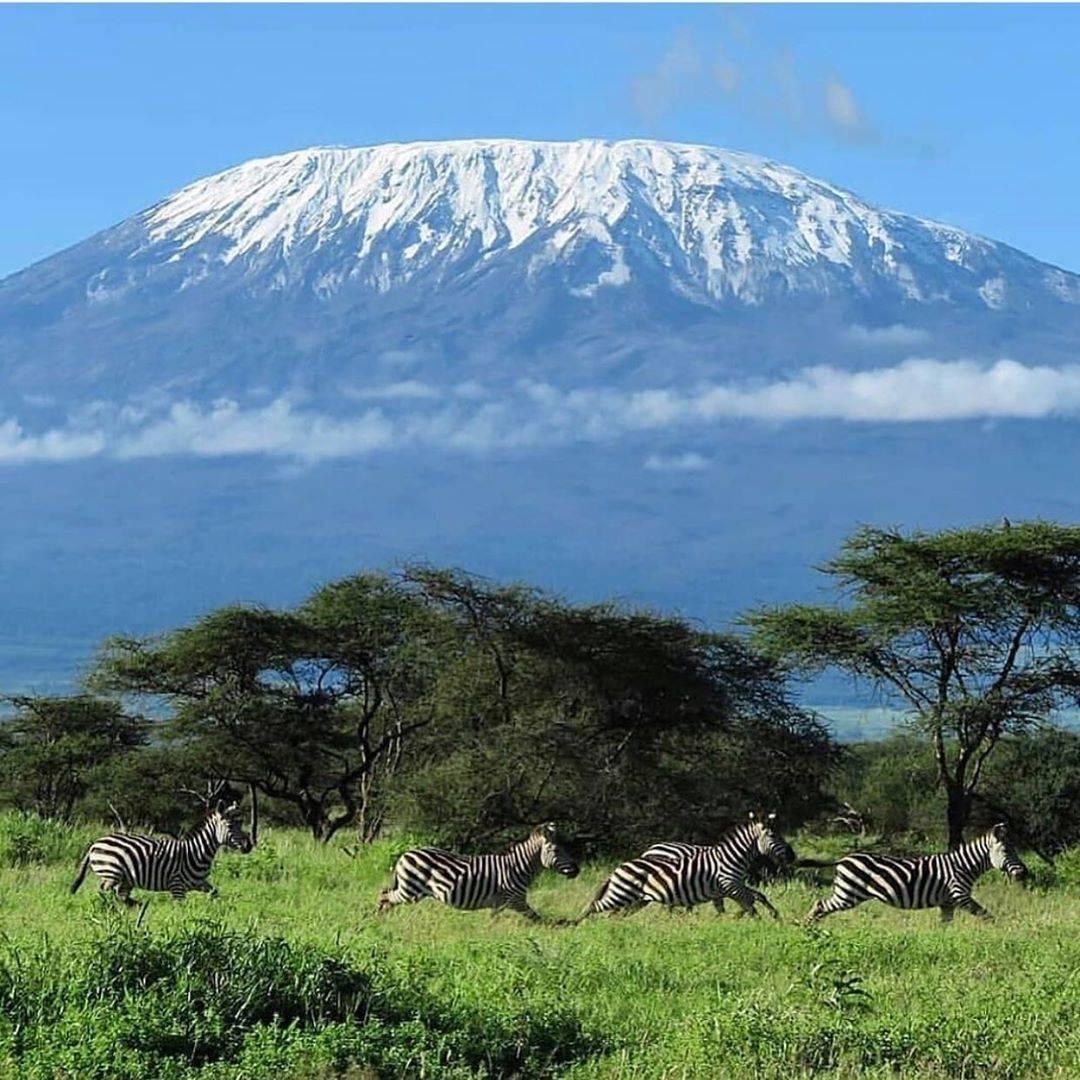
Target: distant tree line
point(434, 700)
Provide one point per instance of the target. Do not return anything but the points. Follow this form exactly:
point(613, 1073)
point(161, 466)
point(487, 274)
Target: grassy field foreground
point(291, 974)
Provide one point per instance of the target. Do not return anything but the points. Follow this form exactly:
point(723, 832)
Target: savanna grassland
point(290, 973)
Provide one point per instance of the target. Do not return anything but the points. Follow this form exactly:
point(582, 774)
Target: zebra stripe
point(682, 875)
point(471, 882)
point(942, 881)
point(124, 862)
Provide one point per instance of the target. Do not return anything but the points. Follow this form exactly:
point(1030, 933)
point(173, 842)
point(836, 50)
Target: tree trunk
point(314, 818)
point(957, 812)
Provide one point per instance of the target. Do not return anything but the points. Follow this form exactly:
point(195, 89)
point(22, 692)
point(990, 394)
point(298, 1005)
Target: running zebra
point(941, 881)
point(676, 851)
point(161, 864)
point(479, 881)
point(682, 875)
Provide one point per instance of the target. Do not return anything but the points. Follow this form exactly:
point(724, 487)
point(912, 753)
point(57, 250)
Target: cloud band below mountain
point(534, 414)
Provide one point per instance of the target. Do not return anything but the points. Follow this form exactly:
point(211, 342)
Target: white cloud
point(843, 113)
point(897, 334)
point(535, 414)
point(18, 447)
point(407, 389)
point(690, 461)
point(277, 430)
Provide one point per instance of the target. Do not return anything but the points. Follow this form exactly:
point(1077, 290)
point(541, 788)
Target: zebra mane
point(739, 829)
point(980, 845)
point(200, 826)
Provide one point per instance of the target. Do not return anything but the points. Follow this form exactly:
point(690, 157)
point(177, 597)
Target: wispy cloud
point(407, 389)
point(677, 75)
point(533, 414)
point(690, 461)
point(843, 113)
point(897, 334)
point(772, 84)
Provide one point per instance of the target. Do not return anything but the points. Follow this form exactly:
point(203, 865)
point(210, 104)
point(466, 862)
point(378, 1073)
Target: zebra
point(471, 882)
point(123, 861)
point(682, 875)
point(676, 851)
point(941, 881)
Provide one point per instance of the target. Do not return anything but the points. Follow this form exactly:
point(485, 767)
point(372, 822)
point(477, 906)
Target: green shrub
point(207, 1000)
point(29, 840)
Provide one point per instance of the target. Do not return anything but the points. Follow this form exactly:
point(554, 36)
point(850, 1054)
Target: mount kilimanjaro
point(636, 261)
point(671, 373)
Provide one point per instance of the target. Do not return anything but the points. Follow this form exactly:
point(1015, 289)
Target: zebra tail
point(83, 867)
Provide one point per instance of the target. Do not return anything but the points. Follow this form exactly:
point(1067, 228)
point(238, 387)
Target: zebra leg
point(969, 903)
point(745, 898)
point(762, 899)
point(833, 904)
point(619, 911)
point(960, 896)
point(121, 890)
point(520, 905)
point(395, 893)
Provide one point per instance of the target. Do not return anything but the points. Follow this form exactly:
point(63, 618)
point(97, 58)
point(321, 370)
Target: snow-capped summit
point(503, 254)
point(724, 224)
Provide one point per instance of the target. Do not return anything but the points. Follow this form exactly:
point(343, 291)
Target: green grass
point(292, 974)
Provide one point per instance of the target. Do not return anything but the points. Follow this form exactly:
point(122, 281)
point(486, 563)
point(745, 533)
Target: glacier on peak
point(733, 224)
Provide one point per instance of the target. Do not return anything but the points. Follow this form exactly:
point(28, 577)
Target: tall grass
point(292, 974)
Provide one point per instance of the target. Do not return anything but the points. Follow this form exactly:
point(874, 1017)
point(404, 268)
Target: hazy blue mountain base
point(97, 547)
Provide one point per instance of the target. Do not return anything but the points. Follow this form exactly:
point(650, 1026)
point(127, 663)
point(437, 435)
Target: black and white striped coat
point(682, 875)
point(123, 861)
point(941, 881)
point(471, 882)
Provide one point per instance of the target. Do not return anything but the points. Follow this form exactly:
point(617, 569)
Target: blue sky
point(965, 113)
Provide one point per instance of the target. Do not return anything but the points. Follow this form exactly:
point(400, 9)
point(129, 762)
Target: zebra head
point(769, 841)
point(228, 829)
point(553, 855)
point(1003, 855)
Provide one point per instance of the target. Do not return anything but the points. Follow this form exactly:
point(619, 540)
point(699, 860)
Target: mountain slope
point(503, 258)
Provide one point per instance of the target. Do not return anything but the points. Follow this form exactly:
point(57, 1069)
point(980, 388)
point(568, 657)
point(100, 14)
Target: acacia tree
point(53, 748)
point(974, 631)
point(633, 724)
point(311, 706)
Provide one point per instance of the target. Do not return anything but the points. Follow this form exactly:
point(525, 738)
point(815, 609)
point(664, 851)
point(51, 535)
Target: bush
point(1034, 782)
point(893, 784)
point(212, 1002)
point(29, 840)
